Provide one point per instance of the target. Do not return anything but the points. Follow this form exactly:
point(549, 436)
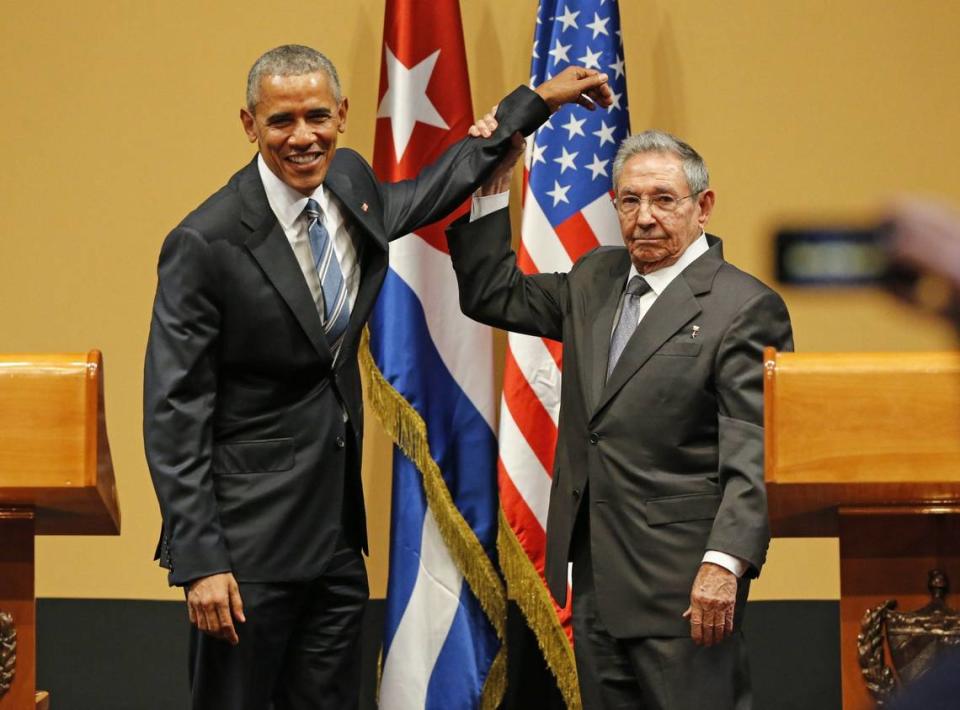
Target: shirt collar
point(661, 278)
point(287, 204)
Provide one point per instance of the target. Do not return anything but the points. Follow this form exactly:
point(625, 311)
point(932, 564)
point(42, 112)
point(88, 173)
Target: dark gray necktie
point(629, 318)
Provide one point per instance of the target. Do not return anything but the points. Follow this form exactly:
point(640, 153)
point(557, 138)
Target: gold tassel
point(496, 683)
point(409, 432)
point(526, 587)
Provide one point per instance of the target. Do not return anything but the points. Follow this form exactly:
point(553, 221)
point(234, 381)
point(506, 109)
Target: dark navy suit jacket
point(252, 430)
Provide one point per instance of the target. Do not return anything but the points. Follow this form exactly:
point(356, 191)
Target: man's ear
point(342, 115)
point(249, 124)
point(706, 202)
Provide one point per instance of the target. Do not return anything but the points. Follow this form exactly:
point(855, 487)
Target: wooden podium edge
point(769, 383)
point(99, 464)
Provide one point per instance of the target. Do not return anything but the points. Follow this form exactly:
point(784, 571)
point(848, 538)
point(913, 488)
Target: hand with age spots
point(712, 602)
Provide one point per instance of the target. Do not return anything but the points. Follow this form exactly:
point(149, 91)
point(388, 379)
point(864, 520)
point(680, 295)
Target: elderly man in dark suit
point(252, 402)
point(658, 495)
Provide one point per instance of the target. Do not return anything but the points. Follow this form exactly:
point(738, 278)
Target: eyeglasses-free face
point(296, 124)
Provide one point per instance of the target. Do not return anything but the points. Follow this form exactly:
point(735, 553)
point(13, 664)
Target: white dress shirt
point(288, 204)
point(661, 278)
point(658, 280)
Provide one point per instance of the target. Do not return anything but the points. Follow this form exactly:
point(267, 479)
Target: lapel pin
point(364, 207)
point(696, 331)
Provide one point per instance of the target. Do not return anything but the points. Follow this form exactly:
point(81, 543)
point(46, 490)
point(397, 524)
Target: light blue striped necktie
point(335, 311)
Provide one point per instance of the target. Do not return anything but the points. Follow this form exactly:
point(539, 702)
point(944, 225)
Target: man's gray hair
point(654, 141)
point(289, 60)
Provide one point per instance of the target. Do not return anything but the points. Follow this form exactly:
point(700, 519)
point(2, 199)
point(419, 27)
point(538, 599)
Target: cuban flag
point(567, 211)
point(433, 371)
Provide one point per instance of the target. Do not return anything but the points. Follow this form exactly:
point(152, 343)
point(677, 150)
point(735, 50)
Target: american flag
point(567, 211)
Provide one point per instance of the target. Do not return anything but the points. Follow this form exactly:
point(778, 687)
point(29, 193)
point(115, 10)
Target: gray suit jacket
point(252, 430)
point(671, 445)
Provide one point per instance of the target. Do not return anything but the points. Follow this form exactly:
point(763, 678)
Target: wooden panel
point(865, 417)
point(54, 453)
point(43, 419)
point(16, 598)
point(858, 429)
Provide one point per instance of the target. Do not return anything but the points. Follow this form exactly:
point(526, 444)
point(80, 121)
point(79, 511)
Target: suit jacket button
point(594, 438)
point(576, 492)
point(340, 442)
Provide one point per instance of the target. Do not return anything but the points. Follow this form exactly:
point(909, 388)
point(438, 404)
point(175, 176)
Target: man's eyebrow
point(656, 190)
point(279, 117)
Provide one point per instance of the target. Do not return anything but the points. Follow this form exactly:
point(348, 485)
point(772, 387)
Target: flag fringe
point(495, 685)
point(526, 587)
point(408, 431)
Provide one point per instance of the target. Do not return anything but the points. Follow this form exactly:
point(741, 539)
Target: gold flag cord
point(408, 431)
point(526, 587)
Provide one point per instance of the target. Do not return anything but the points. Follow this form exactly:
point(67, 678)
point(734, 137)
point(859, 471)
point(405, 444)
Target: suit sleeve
point(442, 186)
point(741, 527)
point(180, 378)
point(492, 288)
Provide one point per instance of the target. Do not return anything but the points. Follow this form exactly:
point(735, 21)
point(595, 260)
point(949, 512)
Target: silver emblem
point(913, 638)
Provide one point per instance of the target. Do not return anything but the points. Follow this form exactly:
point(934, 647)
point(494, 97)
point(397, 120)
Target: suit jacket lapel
point(340, 184)
point(270, 247)
point(371, 250)
point(676, 306)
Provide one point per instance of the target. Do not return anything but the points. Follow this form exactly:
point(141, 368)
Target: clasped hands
point(585, 87)
point(712, 602)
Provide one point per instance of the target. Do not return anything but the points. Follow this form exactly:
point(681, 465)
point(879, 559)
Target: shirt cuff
point(728, 562)
point(481, 206)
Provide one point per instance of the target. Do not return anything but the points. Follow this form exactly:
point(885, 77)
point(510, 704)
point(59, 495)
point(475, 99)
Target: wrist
point(730, 563)
point(495, 186)
point(548, 98)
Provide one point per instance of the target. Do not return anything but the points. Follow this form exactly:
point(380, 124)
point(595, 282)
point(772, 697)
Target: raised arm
point(493, 290)
point(442, 186)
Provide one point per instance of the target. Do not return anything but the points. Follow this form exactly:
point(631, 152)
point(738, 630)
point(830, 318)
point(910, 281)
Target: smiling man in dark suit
point(252, 401)
point(658, 496)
